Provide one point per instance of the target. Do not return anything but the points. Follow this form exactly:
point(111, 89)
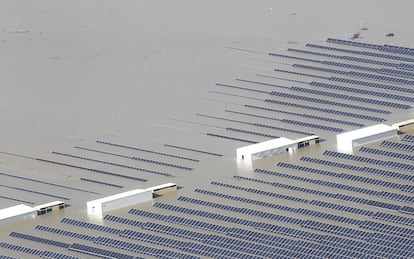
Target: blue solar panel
point(93, 170)
point(355, 43)
point(316, 117)
point(110, 163)
point(232, 138)
point(358, 83)
point(141, 249)
point(347, 58)
point(365, 169)
point(328, 102)
point(408, 138)
point(21, 248)
point(363, 91)
point(320, 182)
point(147, 151)
point(364, 53)
point(92, 226)
point(193, 150)
point(372, 84)
point(40, 240)
point(136, 158)
point(101, 182)
point(386, 153)
point(350, 97)
point(44, 182)
point(64, 232)
point(34, 192)
point(326, 110)
point(359, 75)
point(397, 145)
point(344, 197)
point(91, 250)
point(403, 220)
point(262, 192)
point(252, 132)
point(385, 163)
point(348, 176)
point(14, 199)
point(311, 125)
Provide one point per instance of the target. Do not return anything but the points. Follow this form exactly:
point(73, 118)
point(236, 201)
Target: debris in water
point(355, 36)
point(20, 31)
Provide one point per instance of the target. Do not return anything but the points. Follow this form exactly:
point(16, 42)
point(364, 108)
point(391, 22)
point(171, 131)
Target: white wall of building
point(17, 212)
point(263, 149)
point(119, 200)
point(348, 140)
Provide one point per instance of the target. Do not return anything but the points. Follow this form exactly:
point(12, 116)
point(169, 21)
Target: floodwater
point(142, 74)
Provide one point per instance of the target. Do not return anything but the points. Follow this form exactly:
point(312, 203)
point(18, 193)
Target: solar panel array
point(316, 203)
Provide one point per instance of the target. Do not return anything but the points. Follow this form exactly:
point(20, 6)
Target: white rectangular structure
point(348, 140)
point(119, 200)
point(266, 148)
point(17, 212)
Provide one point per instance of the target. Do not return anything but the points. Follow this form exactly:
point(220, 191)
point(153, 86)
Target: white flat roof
point(15, 211)
point(265, 145)
point(365, 132)
point(306, 138)
point(120, 195)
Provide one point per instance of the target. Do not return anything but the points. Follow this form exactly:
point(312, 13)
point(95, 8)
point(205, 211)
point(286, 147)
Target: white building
point(17, 212)
point(273, 147)
point(348, 140)
point(119, 200)
point(265, 148)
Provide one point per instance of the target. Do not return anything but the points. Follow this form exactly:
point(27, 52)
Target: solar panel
point(146, 150)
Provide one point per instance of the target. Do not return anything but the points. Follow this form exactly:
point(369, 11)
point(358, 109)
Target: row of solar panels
point(350, 176)
point(336, 196)
point(280, 229)
point(371, 170)
point(146, 150)
point(112, 164)
point(34, 192)
point(305, 115)
point(364, 91)
point(160, 216)
point(381, 152)
point(363, 76)
point(326, 110)
point(288, 121)
point(385, 163)
point(397, 145)
point(384, 71)
point(384, 48)
point(355, 82)
point(362, 53)
point(325, 183)
point(32, 251)
point(136, 158)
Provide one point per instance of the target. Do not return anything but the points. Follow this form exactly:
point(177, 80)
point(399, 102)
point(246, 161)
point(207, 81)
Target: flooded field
point(99, 98)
